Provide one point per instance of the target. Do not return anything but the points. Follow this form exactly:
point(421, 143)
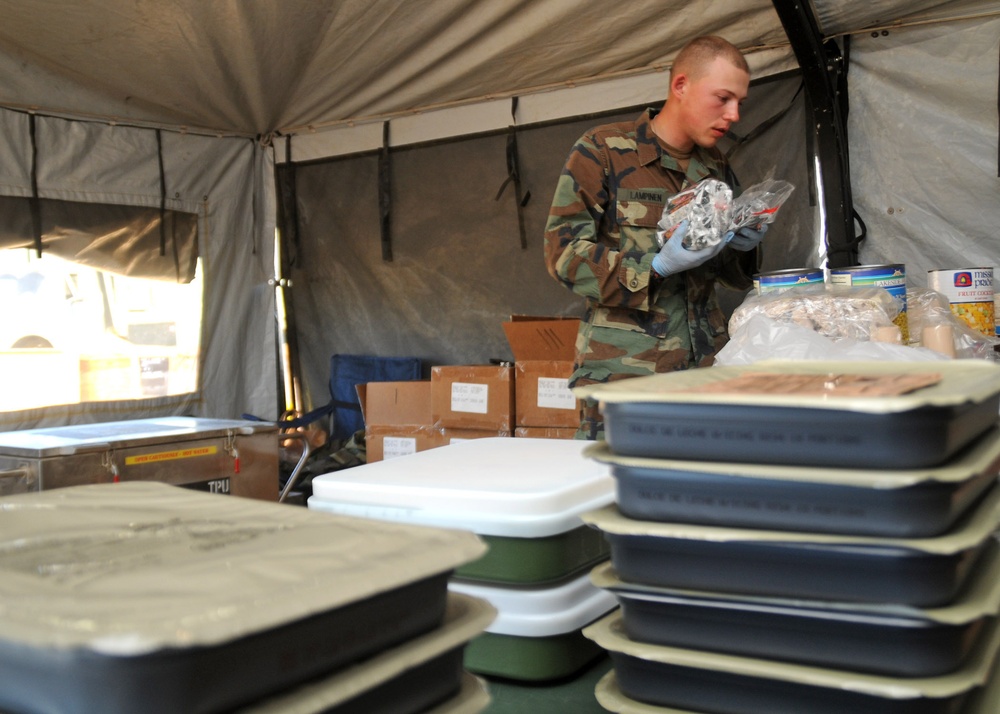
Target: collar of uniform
point(704, 162)
point(646, 144)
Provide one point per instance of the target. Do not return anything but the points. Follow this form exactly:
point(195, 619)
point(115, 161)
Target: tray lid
point(609, 633)
point(464, 618)
point(85, 438)
point(960, 382)
point(518, 487)
point(969, 532)
point(979, 598)
point(131, 568)
point(541, 612)
point(981, 458)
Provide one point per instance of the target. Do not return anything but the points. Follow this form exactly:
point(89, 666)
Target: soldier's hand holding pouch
point(675, 258)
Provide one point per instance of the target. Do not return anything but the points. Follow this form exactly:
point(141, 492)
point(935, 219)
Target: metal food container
point(522, 496)
point(224, 456)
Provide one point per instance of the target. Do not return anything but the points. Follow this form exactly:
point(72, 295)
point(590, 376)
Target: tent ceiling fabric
point(254, 67)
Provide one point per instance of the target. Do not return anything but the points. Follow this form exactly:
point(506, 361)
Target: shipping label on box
point(554, 393)
point(473, 397)
point(387, 442)
point(393, 446)
point(543, 396)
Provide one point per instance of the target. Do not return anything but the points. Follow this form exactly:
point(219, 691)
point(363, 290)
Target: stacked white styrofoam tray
point(116, 590)
point(498, 486)
point(542, 612)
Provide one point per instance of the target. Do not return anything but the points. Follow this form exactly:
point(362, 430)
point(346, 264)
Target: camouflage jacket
point(600, 239)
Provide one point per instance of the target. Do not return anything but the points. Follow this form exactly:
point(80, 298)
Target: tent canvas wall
point(238, 89)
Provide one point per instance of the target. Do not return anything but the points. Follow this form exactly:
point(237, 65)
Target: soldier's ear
point(678, 84)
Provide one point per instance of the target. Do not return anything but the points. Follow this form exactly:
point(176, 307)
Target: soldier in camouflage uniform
point(648, 314)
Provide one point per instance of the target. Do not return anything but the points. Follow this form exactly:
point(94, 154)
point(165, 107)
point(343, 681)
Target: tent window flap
point(124, 240)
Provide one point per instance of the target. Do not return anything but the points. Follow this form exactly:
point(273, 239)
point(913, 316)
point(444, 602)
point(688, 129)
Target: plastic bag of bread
point(835, 311)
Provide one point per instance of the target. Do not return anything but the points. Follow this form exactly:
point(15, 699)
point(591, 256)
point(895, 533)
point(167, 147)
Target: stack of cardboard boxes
point(529, 399)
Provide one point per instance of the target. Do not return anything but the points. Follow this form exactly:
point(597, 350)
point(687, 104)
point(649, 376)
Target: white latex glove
point(675, 258)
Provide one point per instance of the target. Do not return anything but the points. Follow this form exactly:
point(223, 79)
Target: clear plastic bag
point(759, 204)
point(706, 208)
point(761, 338)
point(841, 322)
point(835, 311)
point(711, 210)
point(935, 326)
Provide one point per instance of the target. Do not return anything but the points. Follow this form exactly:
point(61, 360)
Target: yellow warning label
point(171, 455)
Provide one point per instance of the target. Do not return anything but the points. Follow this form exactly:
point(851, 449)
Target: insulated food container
point(226, 456)
point(537, 634)
point(522, 496)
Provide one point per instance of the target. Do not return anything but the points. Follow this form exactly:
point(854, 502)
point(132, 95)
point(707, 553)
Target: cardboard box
point(473, 397)
point(544, 351)
point(396, 403)
point(545, 432)
point(388, 442)
point(398, 419)
point(452, 436)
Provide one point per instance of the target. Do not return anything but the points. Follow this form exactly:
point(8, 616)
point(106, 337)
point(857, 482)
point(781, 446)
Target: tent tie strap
point(35, 202)
point(514, 175)
point(385, 195)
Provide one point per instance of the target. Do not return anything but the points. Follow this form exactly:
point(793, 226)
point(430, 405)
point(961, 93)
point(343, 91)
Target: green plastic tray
point(533, 561)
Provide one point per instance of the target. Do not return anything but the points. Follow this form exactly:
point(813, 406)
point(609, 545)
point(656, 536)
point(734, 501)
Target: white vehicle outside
point(71, 334)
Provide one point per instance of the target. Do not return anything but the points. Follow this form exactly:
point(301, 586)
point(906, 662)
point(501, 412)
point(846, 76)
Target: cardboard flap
point(542, 338)
point(396, 403)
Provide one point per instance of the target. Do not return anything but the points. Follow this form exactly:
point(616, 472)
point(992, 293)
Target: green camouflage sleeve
point(581, 252)
point(736, 269)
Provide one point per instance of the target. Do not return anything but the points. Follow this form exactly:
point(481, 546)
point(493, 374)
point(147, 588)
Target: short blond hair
point(700, 52)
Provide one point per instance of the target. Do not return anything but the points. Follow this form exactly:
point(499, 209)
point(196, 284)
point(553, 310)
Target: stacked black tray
point(802, 536)
point(146, 597)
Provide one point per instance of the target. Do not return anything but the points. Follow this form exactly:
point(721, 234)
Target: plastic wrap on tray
point(834, 311)
point(936, 326)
